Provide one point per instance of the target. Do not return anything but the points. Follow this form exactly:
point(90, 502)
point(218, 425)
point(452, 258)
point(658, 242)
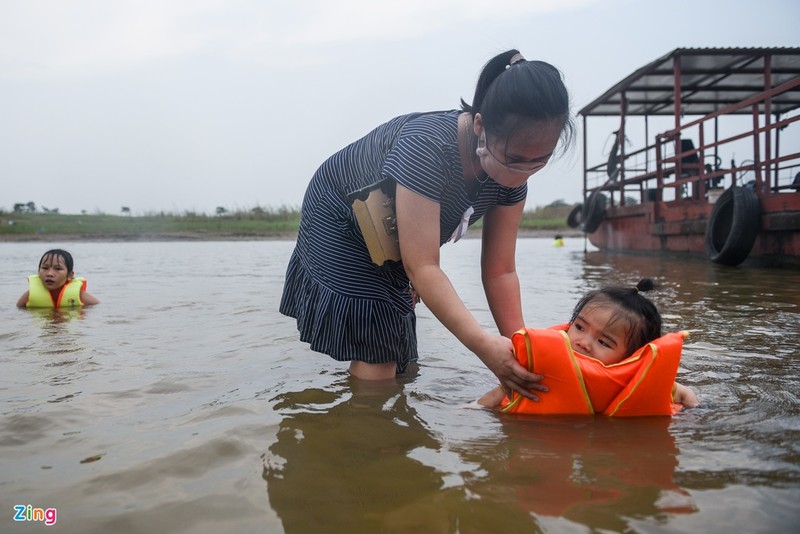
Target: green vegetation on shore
point(256, 223)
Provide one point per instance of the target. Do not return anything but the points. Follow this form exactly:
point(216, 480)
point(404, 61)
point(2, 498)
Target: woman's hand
point(497, 353)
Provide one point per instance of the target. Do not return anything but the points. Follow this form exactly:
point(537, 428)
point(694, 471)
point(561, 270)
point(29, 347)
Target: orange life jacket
point(638, 385)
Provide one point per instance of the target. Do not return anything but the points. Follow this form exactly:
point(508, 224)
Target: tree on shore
point(20, 207)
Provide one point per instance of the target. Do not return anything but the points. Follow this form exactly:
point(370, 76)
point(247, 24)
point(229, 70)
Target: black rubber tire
point(574, 217)
point(594, 210)
point(733, 226)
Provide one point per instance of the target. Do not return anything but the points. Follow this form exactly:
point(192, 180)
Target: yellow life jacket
point(638, 385)
point(39, 296)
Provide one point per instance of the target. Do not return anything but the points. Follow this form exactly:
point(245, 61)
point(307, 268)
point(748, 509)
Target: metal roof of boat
point(711, 78)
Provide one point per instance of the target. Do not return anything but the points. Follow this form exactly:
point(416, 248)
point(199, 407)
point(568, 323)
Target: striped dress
point(345, 305)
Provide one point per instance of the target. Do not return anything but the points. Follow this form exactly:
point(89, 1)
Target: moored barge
point(720, 175)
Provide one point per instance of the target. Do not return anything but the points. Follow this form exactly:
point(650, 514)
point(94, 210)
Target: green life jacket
point(39, 296)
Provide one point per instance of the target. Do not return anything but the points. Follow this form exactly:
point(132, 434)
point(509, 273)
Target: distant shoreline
point(255, 225)
point(221, 236)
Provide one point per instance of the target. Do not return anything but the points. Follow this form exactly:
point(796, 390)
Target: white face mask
point(526, 168)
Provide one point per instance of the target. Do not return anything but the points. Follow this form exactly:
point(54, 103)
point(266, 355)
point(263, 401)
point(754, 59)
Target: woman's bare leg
point(373, 371)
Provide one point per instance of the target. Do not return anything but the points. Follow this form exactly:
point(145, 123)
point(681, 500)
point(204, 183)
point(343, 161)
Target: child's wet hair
point(643, 321)
point(58, 253)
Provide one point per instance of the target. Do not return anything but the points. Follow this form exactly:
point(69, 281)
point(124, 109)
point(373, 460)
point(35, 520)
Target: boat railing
point(674, 169)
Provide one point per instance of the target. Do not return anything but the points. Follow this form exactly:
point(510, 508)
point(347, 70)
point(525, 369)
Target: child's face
point(593, 334)
point(53, 272)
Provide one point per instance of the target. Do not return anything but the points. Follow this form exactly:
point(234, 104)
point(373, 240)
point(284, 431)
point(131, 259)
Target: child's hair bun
point(645, 284)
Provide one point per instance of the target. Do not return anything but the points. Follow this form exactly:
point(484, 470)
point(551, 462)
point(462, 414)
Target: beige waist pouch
point(375, 214)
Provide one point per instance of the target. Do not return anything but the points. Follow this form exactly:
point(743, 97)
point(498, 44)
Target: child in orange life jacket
point(57, 281)
point(609, 325)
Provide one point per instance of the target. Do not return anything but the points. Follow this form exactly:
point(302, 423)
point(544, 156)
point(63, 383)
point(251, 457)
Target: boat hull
point(718, 175)
point(680, 227)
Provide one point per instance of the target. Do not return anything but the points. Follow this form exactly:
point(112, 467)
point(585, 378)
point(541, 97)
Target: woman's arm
point(499, 268)
point(418, 231)
point(23, 300)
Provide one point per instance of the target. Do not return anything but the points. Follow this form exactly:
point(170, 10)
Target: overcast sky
point(167, 105)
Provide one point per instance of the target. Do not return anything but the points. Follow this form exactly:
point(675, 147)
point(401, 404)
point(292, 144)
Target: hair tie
point(516, 58)
point(636, 288)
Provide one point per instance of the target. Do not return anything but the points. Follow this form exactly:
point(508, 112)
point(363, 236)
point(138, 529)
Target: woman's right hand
point(497, 353)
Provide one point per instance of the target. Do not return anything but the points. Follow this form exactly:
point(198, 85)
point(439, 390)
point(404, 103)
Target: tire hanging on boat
point(733, 226)
point(574, 218)
point(594, 209)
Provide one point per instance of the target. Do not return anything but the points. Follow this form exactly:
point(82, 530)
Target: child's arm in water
point(88, 299)
point(684, 395)
point(23, 300)
point(493, 398)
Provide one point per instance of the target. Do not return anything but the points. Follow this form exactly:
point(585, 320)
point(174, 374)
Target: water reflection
point(55, 347)
point(49, 317)
point(341, 460)
point(350, 458)
point(594, 472)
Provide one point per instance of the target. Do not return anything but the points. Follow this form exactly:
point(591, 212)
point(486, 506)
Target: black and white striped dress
point(344, 304)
